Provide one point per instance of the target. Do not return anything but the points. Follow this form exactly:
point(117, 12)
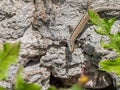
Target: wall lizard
point(79, 28)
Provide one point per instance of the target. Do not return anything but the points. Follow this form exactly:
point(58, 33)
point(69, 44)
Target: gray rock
point(35, 74)
point(43, 27)
point(17, 18)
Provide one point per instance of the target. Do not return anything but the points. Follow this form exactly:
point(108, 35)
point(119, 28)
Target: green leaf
point(76, 87)
point(52, 88)
point(111, 21)
point(103, 26)
point(103, 44)
point(111, 66)
point(101, 30)
point(113, 44)
point(22, 85)
point(1, 88)
point(94, 17)
point(8, 56)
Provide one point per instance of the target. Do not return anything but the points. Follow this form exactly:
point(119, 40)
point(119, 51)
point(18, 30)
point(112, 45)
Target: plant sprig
point(103, 27)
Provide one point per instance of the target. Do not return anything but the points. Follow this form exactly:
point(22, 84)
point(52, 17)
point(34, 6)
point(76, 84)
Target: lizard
point(80, 27)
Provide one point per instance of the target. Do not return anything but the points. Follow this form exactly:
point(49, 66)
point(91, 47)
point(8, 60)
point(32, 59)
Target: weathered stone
point(43, 27)
point(33, 46)
point(36, 74)
point(16, 18)
point(62, 64)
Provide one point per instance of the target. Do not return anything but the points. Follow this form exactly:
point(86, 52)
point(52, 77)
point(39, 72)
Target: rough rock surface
point(43, 27)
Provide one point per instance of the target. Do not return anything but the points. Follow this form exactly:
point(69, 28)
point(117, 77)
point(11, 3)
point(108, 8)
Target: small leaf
point(1, 88)
point(76, 87)
point(94, 17)
point(113, 44)
point(111, 66)
point(22, 85)
point(109, 24)
point(103, 26)
point(101, 30)
point(52, 88)
point(8, 56)
point(104, 45)
point(111, 21)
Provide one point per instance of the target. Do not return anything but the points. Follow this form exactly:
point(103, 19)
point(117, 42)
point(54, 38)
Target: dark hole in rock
point(30, 63)
point(63, 43)
point(58, 1)
point(63, 82)
point(33, 60)
point(57, 82)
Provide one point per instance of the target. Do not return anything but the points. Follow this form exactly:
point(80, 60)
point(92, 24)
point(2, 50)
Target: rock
point(43, 27)
point(36, 74)
point(17, 18)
